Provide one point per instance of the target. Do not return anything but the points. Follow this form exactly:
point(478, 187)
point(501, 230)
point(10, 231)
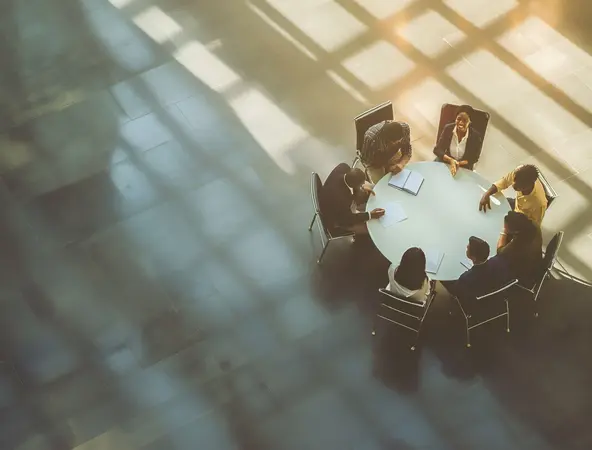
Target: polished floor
point(158, 284)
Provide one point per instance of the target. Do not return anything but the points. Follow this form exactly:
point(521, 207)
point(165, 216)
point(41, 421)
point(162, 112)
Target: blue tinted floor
point(158, 284)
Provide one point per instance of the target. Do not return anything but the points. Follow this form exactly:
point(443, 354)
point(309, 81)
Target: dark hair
point(518, 223)
point(392, 131)
point(526, 174)
point(355, 177)
point(478, 248)
point(467, 109)
point(411, 271)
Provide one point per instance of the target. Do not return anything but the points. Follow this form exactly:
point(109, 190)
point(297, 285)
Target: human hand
point(463, 163)
point(368, 188)
point(453, 166)
point(376, 213)
point(395, 169)
point(484, 204)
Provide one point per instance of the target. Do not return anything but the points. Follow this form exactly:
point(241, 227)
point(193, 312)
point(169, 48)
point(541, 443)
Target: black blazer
point(472, 149)
point(336, 200)
point(483, 279)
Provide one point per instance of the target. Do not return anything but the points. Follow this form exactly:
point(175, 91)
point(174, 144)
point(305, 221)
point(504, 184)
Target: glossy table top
point(443, 216)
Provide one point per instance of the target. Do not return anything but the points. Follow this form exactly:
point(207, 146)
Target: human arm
point(485, 203)
point(443, 145)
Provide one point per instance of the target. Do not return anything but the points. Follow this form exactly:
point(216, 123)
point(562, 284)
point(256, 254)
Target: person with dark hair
point(483, 277)
point(521, 245)
point(459, 144)
point(409, 278)
point(530, 194)
point(343, 190)
point(386, 148)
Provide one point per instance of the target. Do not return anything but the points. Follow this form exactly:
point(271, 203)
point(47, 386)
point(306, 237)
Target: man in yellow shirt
point(530, 194)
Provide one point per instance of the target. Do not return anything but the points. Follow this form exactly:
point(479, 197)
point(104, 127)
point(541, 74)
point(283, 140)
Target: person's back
point(521, 245)
point(483, 278)
point(409, 280)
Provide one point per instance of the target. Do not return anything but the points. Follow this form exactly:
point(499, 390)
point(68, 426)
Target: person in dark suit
point(521, 246)
point(344, 189)
point(486, 275)
point(459, 144)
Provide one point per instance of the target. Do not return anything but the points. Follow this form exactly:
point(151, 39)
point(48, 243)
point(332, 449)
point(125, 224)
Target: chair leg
point(507, 317)
point(323, 252)
point(312, 221)
point(468, 333)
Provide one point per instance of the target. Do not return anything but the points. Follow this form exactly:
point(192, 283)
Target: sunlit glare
point(156, 24)
point(206, 66)
point(431, 33)
point(558, 61)
point(481, 12)
point(269, 21)
point(121, 3)
point(378, 65)
point(382, 9)
point(530, 111)
point(423, 102)
point(327, 23)
point(269, 125)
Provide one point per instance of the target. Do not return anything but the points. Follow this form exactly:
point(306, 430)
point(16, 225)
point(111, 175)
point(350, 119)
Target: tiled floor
point(158, 284)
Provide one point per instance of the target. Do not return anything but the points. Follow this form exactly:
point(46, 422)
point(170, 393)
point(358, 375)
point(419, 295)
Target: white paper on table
point(433, 260)
point(394, 213)
point(399, 179)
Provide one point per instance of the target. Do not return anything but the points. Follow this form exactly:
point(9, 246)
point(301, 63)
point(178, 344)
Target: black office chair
point(327, 234)
point(544, 271)
point(486, 308)
point(549, 191)
point(375, 115)
point(479, 119)
point(407, 313)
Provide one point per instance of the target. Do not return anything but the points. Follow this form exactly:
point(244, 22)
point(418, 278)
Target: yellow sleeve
point(505, 182)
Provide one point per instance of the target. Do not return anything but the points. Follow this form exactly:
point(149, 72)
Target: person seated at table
point(521, 245)
point(409, 280)
point(530, 193)
point(459, 144)
point(343, 190)
point(486, 274)
point(386, 148)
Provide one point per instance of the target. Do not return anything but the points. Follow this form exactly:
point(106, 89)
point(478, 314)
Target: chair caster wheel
point(536, 314)
point(413, 348)
point(468, 345)
point(373, 333)
point(507, 330)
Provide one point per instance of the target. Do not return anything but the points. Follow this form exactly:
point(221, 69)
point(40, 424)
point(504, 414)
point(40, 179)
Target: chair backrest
point(375, 115)
point(552, 250)
point(500, 293)
point(479, 119)
point(549, 191)
point(408, 301)
point(316, 185)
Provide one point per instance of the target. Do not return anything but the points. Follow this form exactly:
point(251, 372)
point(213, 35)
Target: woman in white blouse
point(408, 280)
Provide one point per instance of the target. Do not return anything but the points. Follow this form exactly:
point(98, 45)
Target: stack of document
point(407, 180)
point(433, 260)
point(393, 213)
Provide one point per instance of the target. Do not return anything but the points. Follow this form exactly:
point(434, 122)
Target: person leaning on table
point(459, 144)
point(340, 196)
point(521, 245)
point(409, 279)
point(530, 195)
point(386, 148)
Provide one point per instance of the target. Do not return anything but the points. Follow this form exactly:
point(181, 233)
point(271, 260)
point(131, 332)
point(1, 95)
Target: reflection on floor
point(158, 284)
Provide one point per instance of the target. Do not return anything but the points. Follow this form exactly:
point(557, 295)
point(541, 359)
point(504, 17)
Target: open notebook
point(433, 260)
point(407, 180)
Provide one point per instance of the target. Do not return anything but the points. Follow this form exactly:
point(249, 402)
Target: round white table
point(442, 217)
